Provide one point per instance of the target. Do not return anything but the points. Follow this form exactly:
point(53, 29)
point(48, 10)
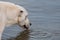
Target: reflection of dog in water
point(23, 35)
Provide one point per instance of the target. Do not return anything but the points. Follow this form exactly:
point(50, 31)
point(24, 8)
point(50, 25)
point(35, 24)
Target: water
point(45, 18)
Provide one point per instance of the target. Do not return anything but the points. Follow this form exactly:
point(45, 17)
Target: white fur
point(9, 15)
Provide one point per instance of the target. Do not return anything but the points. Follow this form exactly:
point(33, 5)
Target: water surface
point(45, 18)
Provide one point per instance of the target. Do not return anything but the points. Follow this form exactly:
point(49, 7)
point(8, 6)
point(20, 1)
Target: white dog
point(12, 14)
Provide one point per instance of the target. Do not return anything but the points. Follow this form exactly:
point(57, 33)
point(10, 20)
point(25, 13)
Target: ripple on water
point(40, 35)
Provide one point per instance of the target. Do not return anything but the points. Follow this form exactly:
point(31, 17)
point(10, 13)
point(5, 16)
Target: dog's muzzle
point(26, 26)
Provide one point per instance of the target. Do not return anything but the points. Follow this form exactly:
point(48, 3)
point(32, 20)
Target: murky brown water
point(45, 18)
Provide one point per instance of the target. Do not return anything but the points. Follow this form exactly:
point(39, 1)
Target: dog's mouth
point(25, 27)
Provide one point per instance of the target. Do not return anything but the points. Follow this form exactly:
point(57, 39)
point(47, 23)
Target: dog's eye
point(21, 11)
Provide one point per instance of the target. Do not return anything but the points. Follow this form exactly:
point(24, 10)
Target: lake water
point(45, 18)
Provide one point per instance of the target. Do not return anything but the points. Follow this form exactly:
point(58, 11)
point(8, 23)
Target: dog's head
point(23, 20)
